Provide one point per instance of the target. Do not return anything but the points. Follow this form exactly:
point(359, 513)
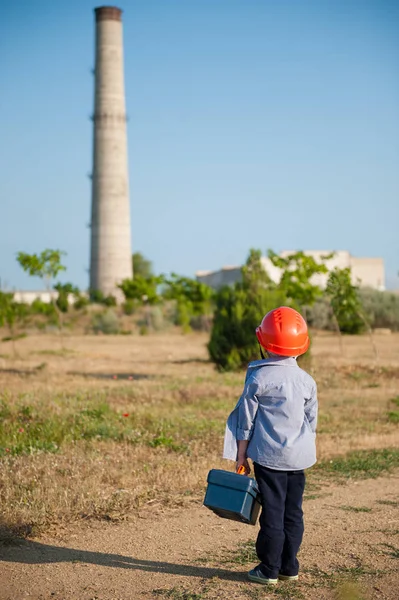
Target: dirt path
point(181, 551)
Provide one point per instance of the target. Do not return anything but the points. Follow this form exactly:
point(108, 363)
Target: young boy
point(274, 424)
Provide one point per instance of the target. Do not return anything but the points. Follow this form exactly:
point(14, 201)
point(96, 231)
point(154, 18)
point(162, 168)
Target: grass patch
point(361, 464)
point(58, 352)
point(363, 509)
point(389, 502)
point(178, 594)
point(393, 551)
point(30, 428)
point(243, 555)
point(393, 416)
point(30, 424)
point(13, 338)
point(395, 401)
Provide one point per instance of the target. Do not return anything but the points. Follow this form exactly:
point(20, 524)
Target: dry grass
point(69, 452)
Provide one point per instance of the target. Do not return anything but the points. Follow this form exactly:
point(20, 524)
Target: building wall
point(368, 272)
point(217, 279)
point(27, 297)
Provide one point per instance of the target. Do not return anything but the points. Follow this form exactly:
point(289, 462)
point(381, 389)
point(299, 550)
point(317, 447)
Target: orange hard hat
point(283, 331)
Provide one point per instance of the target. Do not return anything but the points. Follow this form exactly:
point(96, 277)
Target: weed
point(393, 416)
point(13, 338)
point(363, 509)
point(394, 552)
point(388, 502)
point(178, 594)
point(395, 400)
point(288, 591)
point(388, 531)
point(58, 352)
point(243, 555)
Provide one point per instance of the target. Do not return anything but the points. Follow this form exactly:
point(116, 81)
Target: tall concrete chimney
point(111, 254)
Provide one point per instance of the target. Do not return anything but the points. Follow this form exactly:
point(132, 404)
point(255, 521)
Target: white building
point(29, 296)
point(366, 272)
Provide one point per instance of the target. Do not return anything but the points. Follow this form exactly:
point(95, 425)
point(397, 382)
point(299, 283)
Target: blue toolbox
point(233, 496)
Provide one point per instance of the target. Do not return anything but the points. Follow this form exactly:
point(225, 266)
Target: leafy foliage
point(297, 272)
point(10, 311)
point(145, 290)
point(239, 310)
point(193, 298)
point(141, 266)
point(106, 322)
point(98, 297)
point(64, 289)
point(345, 302)
point(45, 265)
point(381, 308)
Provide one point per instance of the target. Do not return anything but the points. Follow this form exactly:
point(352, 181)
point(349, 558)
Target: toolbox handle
point(241, 470)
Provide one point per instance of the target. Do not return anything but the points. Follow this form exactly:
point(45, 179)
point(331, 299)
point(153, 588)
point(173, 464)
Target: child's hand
point(242, 461)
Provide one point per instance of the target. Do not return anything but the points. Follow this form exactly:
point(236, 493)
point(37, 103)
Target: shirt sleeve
point(247, 409)
point(311, 408)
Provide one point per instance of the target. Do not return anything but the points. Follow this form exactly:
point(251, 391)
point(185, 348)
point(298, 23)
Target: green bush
point(345, 301)
point(106, 322)
point(381, 308)
point(239, 310)
point(81, 302)
point(129, 307)
point(38, 307)
point(97, 297)
point(319, 316)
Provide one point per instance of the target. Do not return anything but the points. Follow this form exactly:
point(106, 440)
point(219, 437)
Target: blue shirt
point(277, 413)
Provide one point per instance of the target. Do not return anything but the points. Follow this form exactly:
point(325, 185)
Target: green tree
point(344, 299)
point(10, 313)
point(144, 290)
point(64, 290)
point(239, 310)
point(193, 300)
point(297, 272)
point(141, 266)
point(46, 265)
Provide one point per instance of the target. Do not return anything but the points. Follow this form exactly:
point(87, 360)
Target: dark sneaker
point(287, 577)
point(257, 576)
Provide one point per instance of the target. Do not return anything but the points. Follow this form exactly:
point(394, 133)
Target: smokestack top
point(108, 13)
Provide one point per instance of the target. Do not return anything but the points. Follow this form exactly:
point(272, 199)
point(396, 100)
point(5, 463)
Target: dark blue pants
point(281, 520)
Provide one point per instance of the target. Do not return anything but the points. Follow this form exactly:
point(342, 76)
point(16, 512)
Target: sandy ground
point(181, 551)
point(184, 552)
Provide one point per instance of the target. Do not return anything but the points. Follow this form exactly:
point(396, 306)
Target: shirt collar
point(284, 361)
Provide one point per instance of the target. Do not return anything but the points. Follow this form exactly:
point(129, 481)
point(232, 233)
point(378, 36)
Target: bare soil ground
point(162, 543)
point(192, 554)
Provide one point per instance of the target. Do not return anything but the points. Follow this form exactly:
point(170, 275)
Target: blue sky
point(252, 123)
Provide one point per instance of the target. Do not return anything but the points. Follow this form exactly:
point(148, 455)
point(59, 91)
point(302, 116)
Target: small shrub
point(129, 307)
point(109, 300)
point(106, 322)
point(319, 316)
point(381, 308)
point(97, 297)
point(81, 302)
point(239, 310)
point(345, 301)
point(38, 307)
